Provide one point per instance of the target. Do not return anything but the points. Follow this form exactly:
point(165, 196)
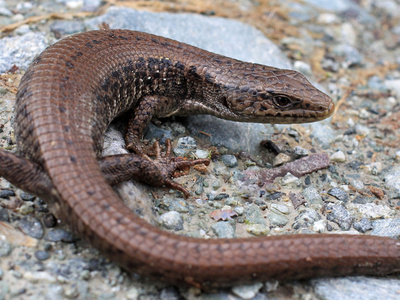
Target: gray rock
point(21, 50)
point(171, 220)
point(160, 134)
point(305, 219)
point(351, 56)
point(387, 227)
point(312, 196)
point(300, 151)
point(5, 248)
point(338, 157)
point(323, 133)
point(247, 291)
point(4, 215)
point(91, 5)
point(258, 230)
point(31, 227)
point(253, 215)
point(229, 160)
point(277, 219)
point(363, 225)
point(223, 230)
point(340, 216)
point(339, 194)
point(356, 288)
point(185, 145)
point(58, 235)
point(67, 27)
point(42, 255)
point(219, 35)
point(392, 182)
point(334, 6)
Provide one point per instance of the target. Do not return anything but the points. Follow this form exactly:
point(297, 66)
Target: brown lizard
point(76, 87)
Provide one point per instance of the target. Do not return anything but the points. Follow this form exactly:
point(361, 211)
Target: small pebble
point(223, 230)
point(42, 255)
point(338, 156)
point(248, 291)
point(280, 159)
point(363, 225)
point(31, 227)
point(202, 153)
point(253, 215)
point(339, 194)
point(280, 208)
point(185, 145)
point(27, 197)
point(300, 151)
point(305, 219)
point(229, 160)
point(387, 227)
point(258, 229)
point(4, 215)
point(277, 219)
point(340, 216)
point(5, 248)
point(171, 220)
point(59, 235)
point(6, 194)
point(288, 179)
point(26, 208)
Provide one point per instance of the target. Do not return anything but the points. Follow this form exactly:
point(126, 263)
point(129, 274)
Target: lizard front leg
point(147, 108)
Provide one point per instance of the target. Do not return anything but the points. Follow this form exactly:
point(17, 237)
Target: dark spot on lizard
point(112, 35)
point(165, 44)
point(69, 64)
point(120, 219)
point(180, 66)
point(73, 159)
point(62, 108)
point(244, 89)
point(166, 62)
point(30, 129)
point(208, 78)
point(66, 128)
point(69, 142)
point(116, 74)
point(129, 67)
point(123, 38)
point(154, 40)
point(89, 45)
point(138, 38)
point(96, 42)
point(106, 206)
point(217, 60)
point(90, 193)
point(99, 98)
point(152, 62)
point(106, 85)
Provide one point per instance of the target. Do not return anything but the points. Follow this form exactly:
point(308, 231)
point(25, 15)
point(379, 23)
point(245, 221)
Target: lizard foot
point(164, 166)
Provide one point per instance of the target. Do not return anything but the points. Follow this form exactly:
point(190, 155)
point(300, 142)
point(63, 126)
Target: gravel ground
point(348, 49)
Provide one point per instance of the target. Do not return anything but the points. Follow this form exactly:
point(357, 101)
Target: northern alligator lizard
point(75, 88)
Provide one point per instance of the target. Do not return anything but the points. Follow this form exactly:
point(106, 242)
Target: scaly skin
point(76, 87)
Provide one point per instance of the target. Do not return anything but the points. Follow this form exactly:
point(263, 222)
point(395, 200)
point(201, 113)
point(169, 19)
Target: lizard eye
point(282, 101)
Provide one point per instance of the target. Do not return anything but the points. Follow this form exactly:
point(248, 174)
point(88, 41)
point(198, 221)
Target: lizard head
point(268, 95)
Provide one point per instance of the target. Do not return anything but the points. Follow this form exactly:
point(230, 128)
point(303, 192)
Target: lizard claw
point(158, 171)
